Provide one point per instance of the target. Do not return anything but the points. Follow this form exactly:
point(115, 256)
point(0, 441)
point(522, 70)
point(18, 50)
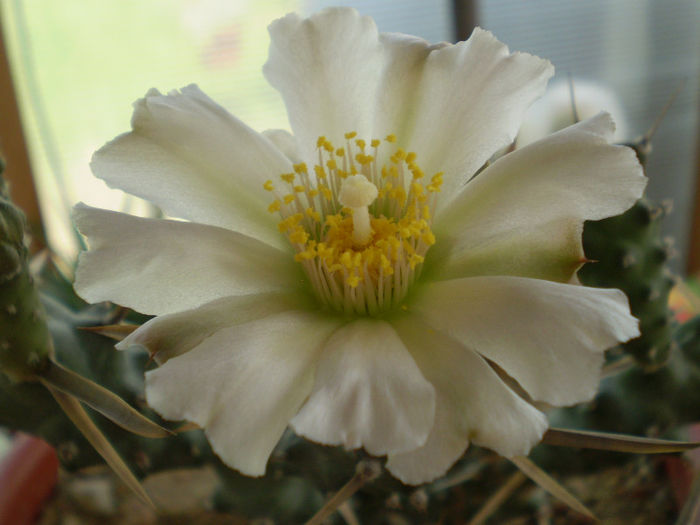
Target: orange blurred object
point(684, 302)
point(28, 475)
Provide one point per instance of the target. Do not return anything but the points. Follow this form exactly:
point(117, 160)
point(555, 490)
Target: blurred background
point(72, 69)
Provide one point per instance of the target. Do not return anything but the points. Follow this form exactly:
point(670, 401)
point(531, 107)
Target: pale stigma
point(357, 193)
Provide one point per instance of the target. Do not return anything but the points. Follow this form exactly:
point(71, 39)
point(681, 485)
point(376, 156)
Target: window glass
point(79, 66)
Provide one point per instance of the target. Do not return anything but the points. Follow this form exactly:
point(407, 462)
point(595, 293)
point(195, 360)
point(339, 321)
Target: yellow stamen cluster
point(374, 275)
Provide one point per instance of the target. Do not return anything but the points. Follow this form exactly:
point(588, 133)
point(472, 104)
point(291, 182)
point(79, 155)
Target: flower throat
point(361, 232)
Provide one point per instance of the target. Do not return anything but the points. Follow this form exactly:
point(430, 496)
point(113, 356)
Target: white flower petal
point(404, 62)
point(170, 335)
point(326, 68)
point(196, 161)
point(470, 103)
point(472, 403)
point(368, 393)
point(161, 266)
point(447, 442)
point(243, 384)
point(285, 142)
point(524, 214)
point(548, 336)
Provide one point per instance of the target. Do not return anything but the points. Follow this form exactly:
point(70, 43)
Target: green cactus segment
point(631, 255)
point(29, 407)
point(25, 344)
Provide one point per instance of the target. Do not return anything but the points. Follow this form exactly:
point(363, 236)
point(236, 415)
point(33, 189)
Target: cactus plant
point(25, 344)
point(630, 254)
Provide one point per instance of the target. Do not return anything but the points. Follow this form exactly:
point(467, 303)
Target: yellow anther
point(332, 221)
point(340, 152)
point(390, 138)
point(320, 172)
point(417, 189)
point(299, 236)
point(428, 238)
point(331, 164)
point(320, 141)
point(346, 259)
point(411, 156)
point(364, 159)
point(288, 199)
point(304, 256)
point(283, 226)
point(417, 172)
point(415, 260)
point(313, 214)
point(300, 168)
point(386, 265)
point(357, 259)
point(326, 191)
point(375, 143)
point(353, 280)
point(361, 144)
point(328, 146)
point(288, 177)
point(268, 185)
point(435, 182)
point(274, 206)
point(300, 189)
point(313, 193)
point(351, 135)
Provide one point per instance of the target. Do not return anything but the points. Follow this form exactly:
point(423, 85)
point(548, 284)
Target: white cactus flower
point(353, 280)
